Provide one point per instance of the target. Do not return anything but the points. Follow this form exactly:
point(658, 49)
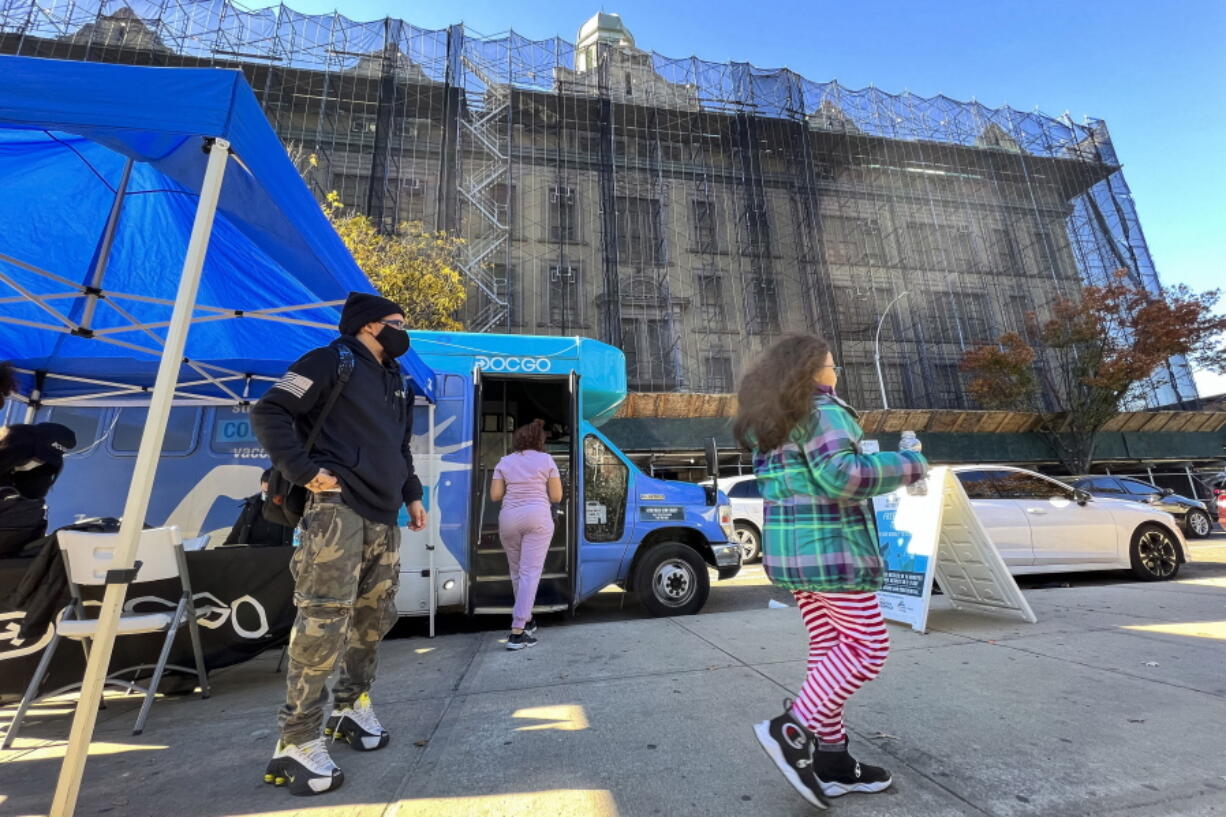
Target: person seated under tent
point(31, 458)
point(253, 529)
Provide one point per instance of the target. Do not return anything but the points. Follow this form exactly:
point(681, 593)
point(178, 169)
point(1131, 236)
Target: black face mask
point(395, 342)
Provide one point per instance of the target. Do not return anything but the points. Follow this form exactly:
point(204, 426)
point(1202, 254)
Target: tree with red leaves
point(1093, 354)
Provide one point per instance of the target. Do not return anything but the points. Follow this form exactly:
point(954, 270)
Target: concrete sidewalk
point(1113, 704)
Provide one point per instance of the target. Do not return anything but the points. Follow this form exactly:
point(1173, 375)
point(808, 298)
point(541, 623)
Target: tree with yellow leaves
point(414, 267)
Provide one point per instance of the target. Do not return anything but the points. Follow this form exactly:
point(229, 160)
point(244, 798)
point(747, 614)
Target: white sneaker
point(306, 768)
point(358, 726)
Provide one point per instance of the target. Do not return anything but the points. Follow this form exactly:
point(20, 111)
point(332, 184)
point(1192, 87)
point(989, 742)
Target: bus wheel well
point(686, 536)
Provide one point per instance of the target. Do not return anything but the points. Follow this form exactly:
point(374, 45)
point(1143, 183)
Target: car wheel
point(751, 544)
point(1154, 554)
point(1197, 524)
point(671, 580)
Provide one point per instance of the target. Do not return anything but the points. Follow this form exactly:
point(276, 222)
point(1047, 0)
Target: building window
point(1017, 308)
point(763, 306)
point(503, 208)
point(640, 236)
point(860, 309)
point(562, 214)
point(959, 247)
point(412, 204)
point(711, 300)
point(856, 241)
point(717, 374)
point(971, 311)
point(756, 229)
point(1043, 249)
point(1004, 253)
point(564, 295)
point(806, 228)
point(705, 240)
point(352, 189)
point(504, 287)
point(650, 349)
point(948, 387)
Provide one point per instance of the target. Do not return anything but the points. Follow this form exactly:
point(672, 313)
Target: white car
point(1041, 525)
point(747, 513)
point(1038, 524)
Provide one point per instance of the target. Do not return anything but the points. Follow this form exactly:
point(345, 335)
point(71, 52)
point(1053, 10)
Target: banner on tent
point(244, 604)
point(936, 535)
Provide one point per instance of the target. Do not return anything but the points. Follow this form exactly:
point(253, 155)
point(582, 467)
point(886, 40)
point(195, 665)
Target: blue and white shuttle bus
point(616, 525)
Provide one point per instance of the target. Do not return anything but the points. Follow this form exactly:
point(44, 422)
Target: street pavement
point(1114, 703)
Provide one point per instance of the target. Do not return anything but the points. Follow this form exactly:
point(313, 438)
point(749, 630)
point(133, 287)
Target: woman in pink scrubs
point(526, 482)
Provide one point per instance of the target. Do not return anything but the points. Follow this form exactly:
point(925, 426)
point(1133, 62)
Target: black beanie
point(52, 441)
point(362, 308)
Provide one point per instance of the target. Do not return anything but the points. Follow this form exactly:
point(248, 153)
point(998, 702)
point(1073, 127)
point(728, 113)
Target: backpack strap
point(344, 370)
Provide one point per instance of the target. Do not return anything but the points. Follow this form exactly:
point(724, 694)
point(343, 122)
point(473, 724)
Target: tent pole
point(433, 510)
point(68, 787)
point(36, 394)
point(104, 247)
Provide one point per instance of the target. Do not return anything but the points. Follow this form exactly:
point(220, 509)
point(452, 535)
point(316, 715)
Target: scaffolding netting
point(687, 211)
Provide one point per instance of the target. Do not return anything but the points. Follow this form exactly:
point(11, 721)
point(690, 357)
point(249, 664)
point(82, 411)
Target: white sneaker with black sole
point(790, 746)
point(306, 768)
point(357, 726)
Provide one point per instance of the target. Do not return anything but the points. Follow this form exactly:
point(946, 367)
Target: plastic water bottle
point(910, 442)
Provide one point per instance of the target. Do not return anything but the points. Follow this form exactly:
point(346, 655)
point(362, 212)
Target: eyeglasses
point(837, 369)
point(395, 324)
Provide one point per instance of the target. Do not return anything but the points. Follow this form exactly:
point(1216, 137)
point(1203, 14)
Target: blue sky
point(1156, 72)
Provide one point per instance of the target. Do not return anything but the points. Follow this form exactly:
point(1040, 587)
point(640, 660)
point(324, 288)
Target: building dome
point(601, 29)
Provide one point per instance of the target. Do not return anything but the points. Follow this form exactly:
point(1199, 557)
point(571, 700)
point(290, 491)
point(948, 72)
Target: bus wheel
point(672, 580)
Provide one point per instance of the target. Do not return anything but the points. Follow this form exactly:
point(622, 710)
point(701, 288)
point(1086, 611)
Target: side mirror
point(1167, 492)
point(1081, 497)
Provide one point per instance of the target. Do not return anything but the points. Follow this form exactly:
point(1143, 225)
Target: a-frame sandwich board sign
point(937, 535)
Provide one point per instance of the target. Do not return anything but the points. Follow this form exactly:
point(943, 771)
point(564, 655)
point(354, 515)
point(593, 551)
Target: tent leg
point(68, 787)
point(430, 542)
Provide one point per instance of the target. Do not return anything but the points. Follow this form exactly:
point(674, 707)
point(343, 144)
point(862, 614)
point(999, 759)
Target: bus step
point(506, 611)
point(507, 577)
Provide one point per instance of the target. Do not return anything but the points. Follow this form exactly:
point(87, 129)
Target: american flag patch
point(294, 383)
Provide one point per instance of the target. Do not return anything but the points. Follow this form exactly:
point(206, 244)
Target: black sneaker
point(518, 641)
point(790, 746)
point(306, 768)
point(530, 627)
point(839, 773)
point(357, 726)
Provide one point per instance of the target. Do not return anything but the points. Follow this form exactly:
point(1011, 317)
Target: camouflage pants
point(346, 572)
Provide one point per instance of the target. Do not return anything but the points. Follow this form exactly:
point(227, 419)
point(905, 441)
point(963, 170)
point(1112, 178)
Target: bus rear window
point(180, 430)
point(83, 420)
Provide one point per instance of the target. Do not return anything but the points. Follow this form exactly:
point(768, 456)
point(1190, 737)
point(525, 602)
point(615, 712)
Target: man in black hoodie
point(346, 571)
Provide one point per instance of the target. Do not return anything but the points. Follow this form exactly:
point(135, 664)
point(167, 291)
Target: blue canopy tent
point(101, 167)
point(141, 203)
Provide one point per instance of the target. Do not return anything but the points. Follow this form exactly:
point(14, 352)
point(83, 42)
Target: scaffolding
point(686, 211)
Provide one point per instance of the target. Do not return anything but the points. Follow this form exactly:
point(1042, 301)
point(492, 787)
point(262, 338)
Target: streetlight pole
point(885, 403)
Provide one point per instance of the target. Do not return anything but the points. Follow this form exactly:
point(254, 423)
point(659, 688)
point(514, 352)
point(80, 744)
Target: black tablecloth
point(244, 601)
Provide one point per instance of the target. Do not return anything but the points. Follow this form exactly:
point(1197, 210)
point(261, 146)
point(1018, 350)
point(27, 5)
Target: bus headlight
point(725, 522)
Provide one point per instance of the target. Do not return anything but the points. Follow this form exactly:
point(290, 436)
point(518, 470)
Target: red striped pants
point(848, 644)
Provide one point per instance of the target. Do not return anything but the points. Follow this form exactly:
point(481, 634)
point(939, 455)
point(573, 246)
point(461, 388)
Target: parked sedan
point(746, 513)
point(1192, 514)
point(1041, 525)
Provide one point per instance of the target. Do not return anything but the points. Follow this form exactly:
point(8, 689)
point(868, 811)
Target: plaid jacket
point(819, 535)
